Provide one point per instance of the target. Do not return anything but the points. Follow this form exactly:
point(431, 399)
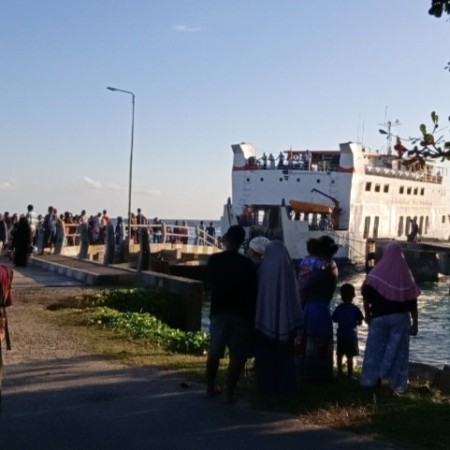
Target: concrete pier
point(190, 292)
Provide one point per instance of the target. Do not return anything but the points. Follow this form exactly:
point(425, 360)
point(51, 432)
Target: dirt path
point(34, 337)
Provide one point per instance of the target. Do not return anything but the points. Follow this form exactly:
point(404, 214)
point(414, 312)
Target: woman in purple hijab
point(278, 322)
point(390, 302)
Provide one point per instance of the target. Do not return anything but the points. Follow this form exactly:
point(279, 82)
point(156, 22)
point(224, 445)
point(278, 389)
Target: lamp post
point(131, 159)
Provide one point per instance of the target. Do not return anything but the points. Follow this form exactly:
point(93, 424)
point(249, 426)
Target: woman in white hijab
point(278, 322)
point(257, 248)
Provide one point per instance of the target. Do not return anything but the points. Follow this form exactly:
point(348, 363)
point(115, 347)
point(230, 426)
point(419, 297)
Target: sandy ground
point(34, 337)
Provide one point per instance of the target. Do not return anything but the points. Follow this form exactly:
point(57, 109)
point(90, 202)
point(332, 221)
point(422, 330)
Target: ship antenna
point(387, 130)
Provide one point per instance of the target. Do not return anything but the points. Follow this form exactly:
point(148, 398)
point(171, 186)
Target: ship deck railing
point(161, 233)
point(405, 174)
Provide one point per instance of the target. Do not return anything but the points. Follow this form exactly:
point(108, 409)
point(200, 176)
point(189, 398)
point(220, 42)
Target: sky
point(300, 74)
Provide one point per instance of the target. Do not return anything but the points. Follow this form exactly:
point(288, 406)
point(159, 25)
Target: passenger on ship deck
point(390, 302)
point(307, 160)
point(280, 160)
point(264, 161)
point(271, 161)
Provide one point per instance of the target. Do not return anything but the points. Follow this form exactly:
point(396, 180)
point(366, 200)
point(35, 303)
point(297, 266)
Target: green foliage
point(161, 304)
point(144, 314)
point(428, 145)
point(145, 326)
point(438, 7)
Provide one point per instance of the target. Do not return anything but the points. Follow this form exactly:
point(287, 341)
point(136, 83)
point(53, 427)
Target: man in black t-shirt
point(233, 280)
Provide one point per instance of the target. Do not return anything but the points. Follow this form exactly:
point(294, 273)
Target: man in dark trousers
point(233, 281)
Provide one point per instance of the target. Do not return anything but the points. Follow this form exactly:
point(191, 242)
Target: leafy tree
point(428, 145)
point(438, 7)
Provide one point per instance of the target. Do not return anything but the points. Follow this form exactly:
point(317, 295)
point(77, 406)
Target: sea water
point(432, 343)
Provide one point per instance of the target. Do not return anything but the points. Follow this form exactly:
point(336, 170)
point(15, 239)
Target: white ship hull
point(353, 194)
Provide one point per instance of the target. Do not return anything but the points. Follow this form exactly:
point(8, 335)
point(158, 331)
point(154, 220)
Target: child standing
point(310, 263)
point(348, 316)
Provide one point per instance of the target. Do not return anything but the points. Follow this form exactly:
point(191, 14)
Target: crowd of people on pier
point(266, 308)
point(22, 234)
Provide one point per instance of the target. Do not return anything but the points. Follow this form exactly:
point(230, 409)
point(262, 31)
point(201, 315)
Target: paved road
point(85, 402)
point(34, 276)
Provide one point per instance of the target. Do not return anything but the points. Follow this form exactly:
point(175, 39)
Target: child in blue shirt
point(310, 263)
point(348, 317)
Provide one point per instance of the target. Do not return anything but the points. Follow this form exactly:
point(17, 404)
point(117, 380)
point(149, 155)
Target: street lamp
point(131, 159)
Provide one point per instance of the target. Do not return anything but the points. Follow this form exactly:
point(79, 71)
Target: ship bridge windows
point(409, 221)
point(443, 219)
point(401, 190)
point(386, 188)
point(368, 186)
point(376, 223)
point(416, 191)
point(367, 223)
point(377, 188)
point(422, 191)
point(400, 226)
point(408, 190)
point(366, 227)
point(408, 225)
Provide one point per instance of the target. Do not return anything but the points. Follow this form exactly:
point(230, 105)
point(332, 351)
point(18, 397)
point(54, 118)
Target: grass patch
point(416, 420)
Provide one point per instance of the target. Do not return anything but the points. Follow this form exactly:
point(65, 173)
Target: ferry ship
point(354, 195)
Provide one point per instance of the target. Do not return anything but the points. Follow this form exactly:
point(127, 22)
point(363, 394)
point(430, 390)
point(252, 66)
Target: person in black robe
point(21, 242)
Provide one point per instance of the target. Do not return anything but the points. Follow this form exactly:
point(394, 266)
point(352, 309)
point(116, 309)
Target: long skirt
point(317, 361)
point(275, 367)
point(387, 351)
